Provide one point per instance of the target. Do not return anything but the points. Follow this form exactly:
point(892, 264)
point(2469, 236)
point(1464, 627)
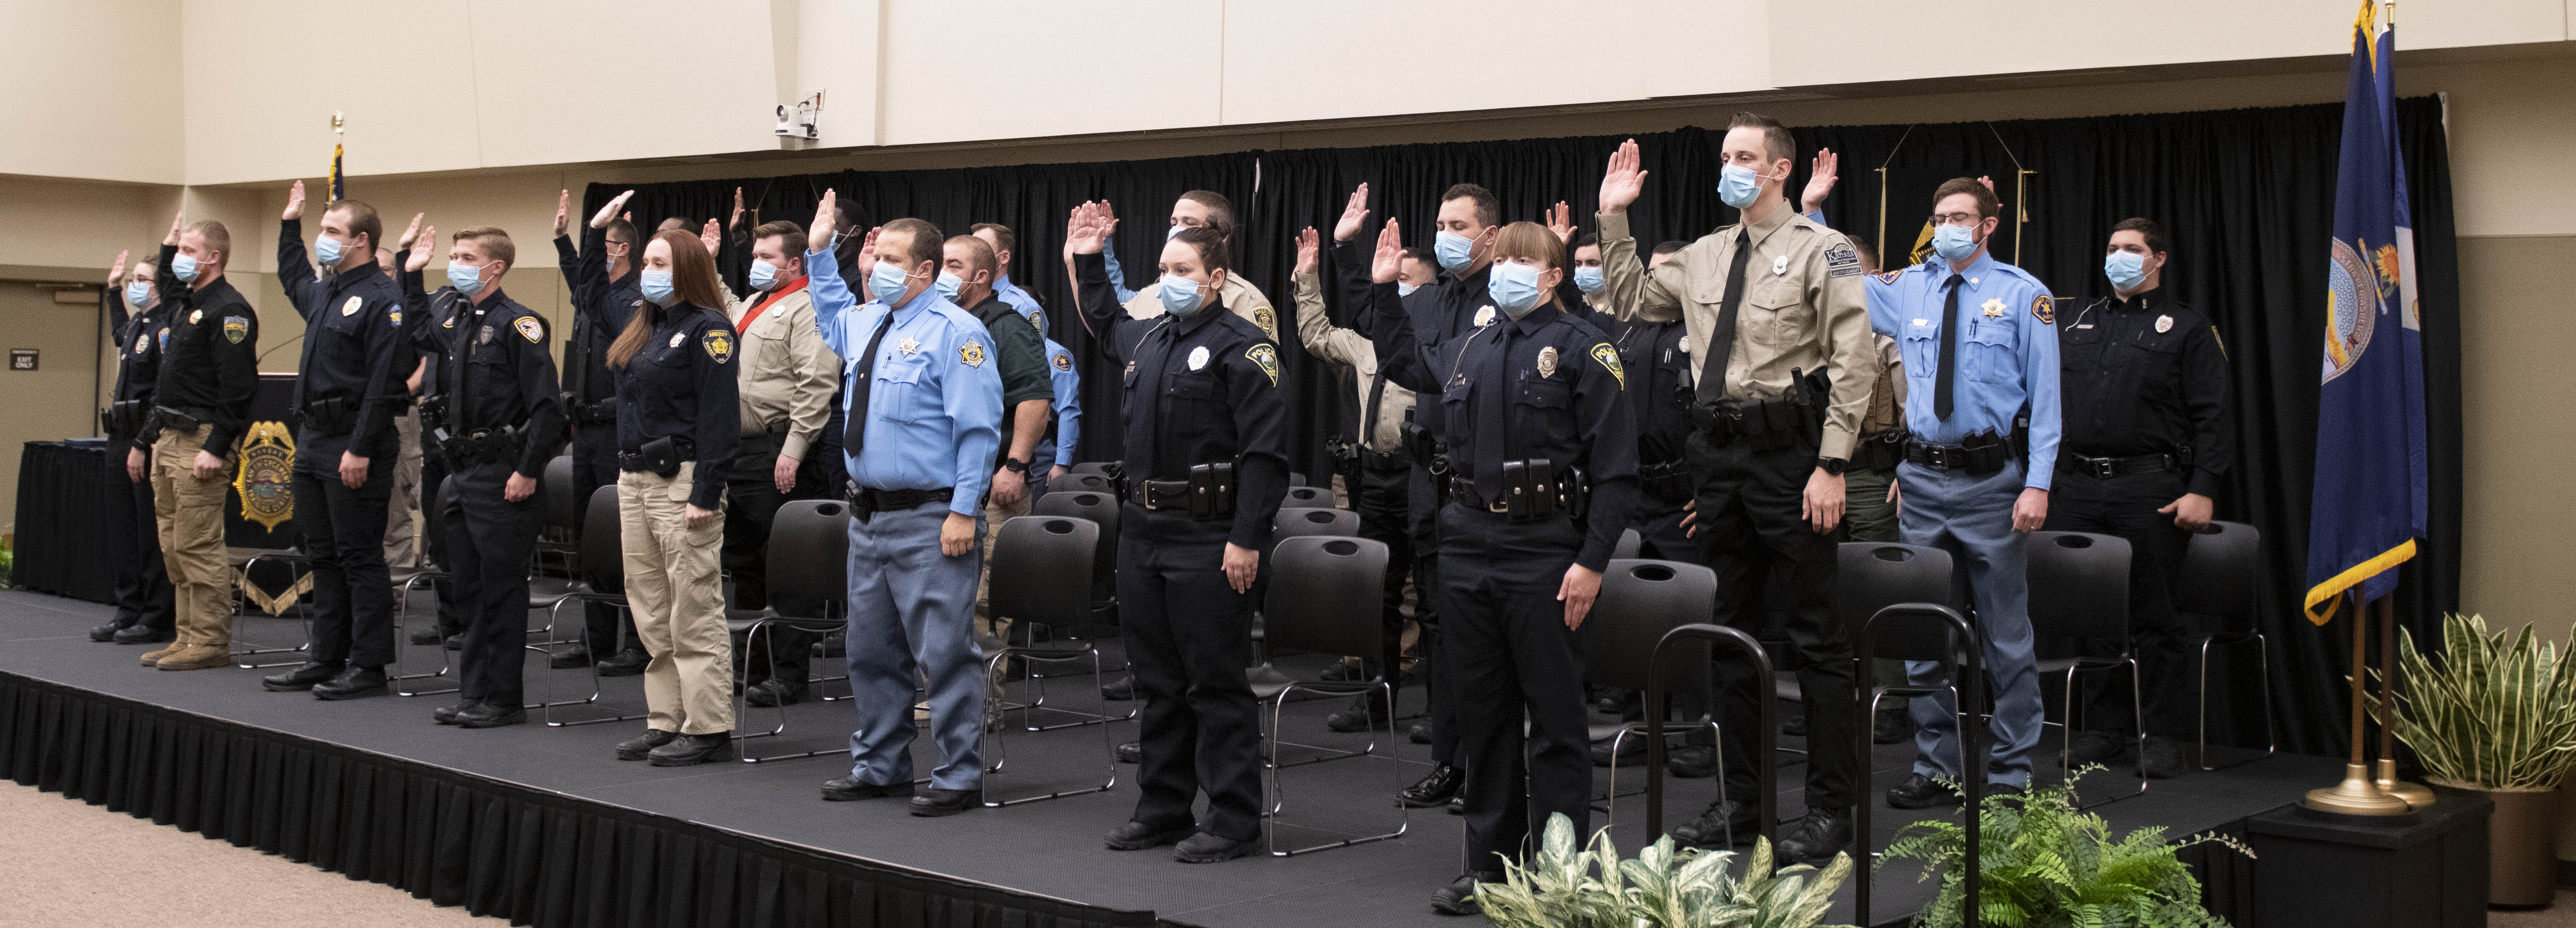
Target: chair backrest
point(1873, 575)
point(1296, 479)
point(809, 559)
point(1042, 569)
point(1629, 544)
point(1309, 497)
point(2079, 585)
point(1294, 522)
point(1098, 506)
point(2219, 570)
point(1641, 600)
point(603, 556)
point(1325, 595)
point(1090, 467)
point(1093, 483)
point(563, 506)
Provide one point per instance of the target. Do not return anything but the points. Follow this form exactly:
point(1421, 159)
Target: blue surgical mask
point(1405, 289)
point(326, 250)
point(1739, 186)
point(656, 286)
point(887, 283)
point(1588, 279)
point(763, 275)
point(185, 268)
point(1954, 243)
point(1181, 295)
point(1453, 249)
point(1514, 287)
point(136, 292)
point(468, 279)
point(947, 285)
point(2127, 269)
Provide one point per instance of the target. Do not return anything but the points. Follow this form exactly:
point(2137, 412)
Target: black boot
point(1720, 822)
point(139, 633)
point(1137, 836)
point(1204, 848)
point(1435, 789)
point(1459, 897)
point(626, 663)
point(775, 692)
point(1921, 792)
point(492, 714)
point(1122, 689)
point(1366, 713)
point(1132, 752)
point(570, 658)
point(105, 632)
point(688, 750)
point(301, 678)
point(641, 746)
point(1815, 840)
point(353, 683)
point(1891, 726)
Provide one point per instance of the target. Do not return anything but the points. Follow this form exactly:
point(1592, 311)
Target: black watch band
point(1832, 466)
point(1015, 465)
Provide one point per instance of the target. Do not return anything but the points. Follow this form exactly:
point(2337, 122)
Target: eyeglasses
point(1956, 219)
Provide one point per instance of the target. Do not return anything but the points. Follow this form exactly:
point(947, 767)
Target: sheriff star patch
point(718, 343)
point(1609, 358)
point(1063, 361)
point(236, 328)
point(530, 329)
point(972, 352)
point(1842, 261)
point(2044, 309)
point(1267, 358)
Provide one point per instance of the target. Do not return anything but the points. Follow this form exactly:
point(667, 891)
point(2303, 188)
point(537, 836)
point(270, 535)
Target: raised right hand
point(818, 237)
point(1086, 229)
point(600, 219)
point(420, 256)
point(294, 203)
point(1352, 213)
point(117, 273)
point(1389, 261)
point(563, 214)
point(1309, 247)
point(412, 234)
point(1820, 180)
point(1624, 179)
point(177, 220)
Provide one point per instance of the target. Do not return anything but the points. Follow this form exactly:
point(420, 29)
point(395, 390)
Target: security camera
point(802, 119)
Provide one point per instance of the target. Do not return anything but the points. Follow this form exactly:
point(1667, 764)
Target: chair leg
point(1108, 745)
point(1403, 816)
point(2263, 679)
point(546, 707)
point(402, 613)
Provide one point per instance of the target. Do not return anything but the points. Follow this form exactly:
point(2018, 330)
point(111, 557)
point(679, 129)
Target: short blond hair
point(217, 238)
point(1532, 241)
point(493, 241)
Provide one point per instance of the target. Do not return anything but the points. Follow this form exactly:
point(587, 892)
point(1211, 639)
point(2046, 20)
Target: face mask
point(326, 250)
point(1181, 295)
point(1954, 243)
point(1453, 250)
point(1739, 186)
point(763, 276)
point(1173, 233)
point(1588, 279)
point(887, 283)
point(2127, 269)
point(185, 268)
point(655, 284)
point(1514, 287)
point(947, 285)
point(136, 292)
point(468, 279)
point(1405, 289)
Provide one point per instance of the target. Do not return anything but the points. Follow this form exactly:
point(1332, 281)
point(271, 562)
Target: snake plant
point(2488, 715)
point(1661, 888)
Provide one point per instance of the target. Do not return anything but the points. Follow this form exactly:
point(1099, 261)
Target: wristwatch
point(1015, 465)
point(1833, 466)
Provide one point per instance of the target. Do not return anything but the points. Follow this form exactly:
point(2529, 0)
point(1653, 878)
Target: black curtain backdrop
point(2246, 197)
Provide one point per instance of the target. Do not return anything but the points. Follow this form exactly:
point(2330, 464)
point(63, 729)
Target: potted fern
point(2499, 720)
point(2043, 863)
point(1661, 888)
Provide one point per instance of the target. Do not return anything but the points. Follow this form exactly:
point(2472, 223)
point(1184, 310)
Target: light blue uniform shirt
point(2006, 354)
point(1117, 278)
point(1020, 302)
point(1068, 408)
point(934, 399)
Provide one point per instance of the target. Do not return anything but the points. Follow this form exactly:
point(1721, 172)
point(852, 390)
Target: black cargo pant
point(1189, 636)
point(1514, 658)
point(143, 591)
point(343, 531)
point(489, 541)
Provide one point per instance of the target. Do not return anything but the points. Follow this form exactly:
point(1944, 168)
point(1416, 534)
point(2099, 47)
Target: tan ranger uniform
point(1240, 298)
point(787, 374)
point(1343, 346)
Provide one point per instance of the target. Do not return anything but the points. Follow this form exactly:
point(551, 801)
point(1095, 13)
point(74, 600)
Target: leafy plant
point(1660, 888)
point(2489, 716)
point(2046, 864)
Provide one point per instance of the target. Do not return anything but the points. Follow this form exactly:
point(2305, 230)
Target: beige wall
point(91, 90)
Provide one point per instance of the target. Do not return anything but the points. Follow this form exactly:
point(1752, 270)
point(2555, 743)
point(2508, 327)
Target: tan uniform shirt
point(1241, 298)
point(787, 374)
point(1343, 346)
point(1802, 310)
point(1887, 401)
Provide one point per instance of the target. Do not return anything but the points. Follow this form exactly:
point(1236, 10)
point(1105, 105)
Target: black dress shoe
point(626, 663)
point(1204, 848)
point(2095, 747)
point(2161, 759)
point(852, 789)
point(1458, 803)
point(1815, 839)
point(1891, 726)
point(1719, 824)
point(427, 634)
point(453, 642)
point(302, 677)
point(1920, 792)
point(688, 750)
point(1137, 836)
point(1435, 789)
point(1420, 733)
point(1691, 762)
point(933, 802)
point(353, 683)
point(774, 692)
point(1794, 726)
point(492, 715)
point(1365, 713)
point(446, 715)
point(139, 633)
point(1631, 749)
point(1122, 689)
point(641, 746)
point(105, 632)
point(1459, 897)
point(570, 658)
point(1132, 752)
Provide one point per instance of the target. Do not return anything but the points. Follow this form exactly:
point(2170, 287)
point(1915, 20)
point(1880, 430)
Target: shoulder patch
point(1268, 321)
point(236, 328)
point(535, 331)
point(972, 353)
point(1889, 277)
point(1842, 261)
point(2044, 309)
point(1609, 358)
point(1063, 361)
point(395, 314)
point(717, 342)
point(1267, 358)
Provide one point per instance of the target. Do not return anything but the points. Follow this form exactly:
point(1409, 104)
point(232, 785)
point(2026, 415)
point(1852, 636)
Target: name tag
point(2085, 326)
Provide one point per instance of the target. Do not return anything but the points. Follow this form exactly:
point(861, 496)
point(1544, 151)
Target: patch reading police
point(1547, 361)
point(1063, 361)
point(717, 342)
point(1268, 321)
point(2044, 309)
point(236, 328)
point(972, 352)
point(530, 329)
point(1842, 261)
point(1609, 358)
point(1198, 357)
point(351, 307)
point(1267, 358)
point(1037, 320)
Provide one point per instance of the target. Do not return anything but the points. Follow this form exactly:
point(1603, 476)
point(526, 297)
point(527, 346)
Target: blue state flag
point(2368, 509)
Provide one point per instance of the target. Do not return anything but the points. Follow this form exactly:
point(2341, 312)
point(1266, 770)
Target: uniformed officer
point(601, 278)
point(201, 408)
point(1979, 346)
point(1779, 337)
point(1198, 209)
point(348, 391)
point(1056, 449)
point(924, 415)
point(679, 423)
point(495, 412)
point(787, 381)
point(1001, 240)
point(1543, 476)
point(1019, 352)
point(1206, 467)
point(2148, 444)
point(142, 581)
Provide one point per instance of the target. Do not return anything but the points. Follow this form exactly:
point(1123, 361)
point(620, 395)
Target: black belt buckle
point(2102, 468)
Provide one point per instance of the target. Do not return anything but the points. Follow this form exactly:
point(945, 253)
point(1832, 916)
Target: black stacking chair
point(1295, 522)
point(1916, 630)
point(601, 556)
point(2079, 588)
point(1630, 544)
point(433, 522)
point(1040, 567)
point(2220, 569)
point(563, 513)
point(1102, 509)
point(1296, 479)
point(1324, 597)
point(1306, 497)
point(809, 590)
point(1079, 481)
point(1091, 467)
point(1640, 601)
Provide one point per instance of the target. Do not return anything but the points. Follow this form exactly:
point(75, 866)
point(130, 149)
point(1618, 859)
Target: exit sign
point(22, 359)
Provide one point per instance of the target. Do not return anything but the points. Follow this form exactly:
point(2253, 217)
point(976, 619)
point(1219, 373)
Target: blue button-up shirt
point(2006, 355)
point(934, 397)
point(1020, 302)
point(1068, 408)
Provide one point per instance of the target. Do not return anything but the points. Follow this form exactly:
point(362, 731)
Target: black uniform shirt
point(1658, 355)
point(602, 307)
point(1199, 389)
point(210, 368)
point(683, 386)
point(1545, 386)
point(2146, 376)
point(138, 352)
point(353, 349)
point(491, 361)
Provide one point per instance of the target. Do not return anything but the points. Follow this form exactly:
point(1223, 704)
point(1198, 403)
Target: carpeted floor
point(65, 862)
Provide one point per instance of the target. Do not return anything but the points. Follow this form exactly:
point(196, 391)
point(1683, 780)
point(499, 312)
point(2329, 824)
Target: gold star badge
point(1994, 309)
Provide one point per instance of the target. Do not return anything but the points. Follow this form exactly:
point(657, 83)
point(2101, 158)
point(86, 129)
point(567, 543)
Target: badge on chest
point(1198, 357)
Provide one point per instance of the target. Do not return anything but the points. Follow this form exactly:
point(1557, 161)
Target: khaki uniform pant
point(402, 541)
point(190, 514)
point(678, 600)
point(988, 632)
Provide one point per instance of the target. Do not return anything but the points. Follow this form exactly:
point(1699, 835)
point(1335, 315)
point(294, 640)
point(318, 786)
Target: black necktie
point(1721, 343)
point(1489, 398)
point(854, 433)
point(1368, 420)
point(1949, 350)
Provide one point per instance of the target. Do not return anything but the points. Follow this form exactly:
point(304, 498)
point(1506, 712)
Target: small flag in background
point(339, 127)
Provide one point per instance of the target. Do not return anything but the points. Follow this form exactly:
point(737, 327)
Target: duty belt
point(1384, 460)
point(603, 412)
point(1208, 493)
point(164, 418)
point(1532, 490)
point(1975, 457)
point(483, 446)
point(865, 502)
point(2107, 468)
point(1879, 451)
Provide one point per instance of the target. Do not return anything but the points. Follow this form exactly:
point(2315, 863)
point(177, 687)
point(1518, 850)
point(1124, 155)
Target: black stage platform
point(1035, 864)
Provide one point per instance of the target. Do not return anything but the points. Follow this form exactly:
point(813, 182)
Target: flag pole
point(2356, 795)
point(2413, 794)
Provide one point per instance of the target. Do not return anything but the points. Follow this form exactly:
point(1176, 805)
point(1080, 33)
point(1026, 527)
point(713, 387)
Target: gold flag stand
point(2360, 793)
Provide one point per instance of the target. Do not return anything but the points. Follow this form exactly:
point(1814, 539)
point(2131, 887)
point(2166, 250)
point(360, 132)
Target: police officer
point(142, 581)
point(348, 392)
point(1543, 454)
point(449, 627)
point(1055, 454)
point(966, 275)
point(2147, 445)
point(1980, 347)
point(201, 408)
point(788, 378)
point(495, 412)
point(602, 280)
point(1001, 240)
point(1198, 209)
point(1204, 416)
point(679, 423)
point(924, 417)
